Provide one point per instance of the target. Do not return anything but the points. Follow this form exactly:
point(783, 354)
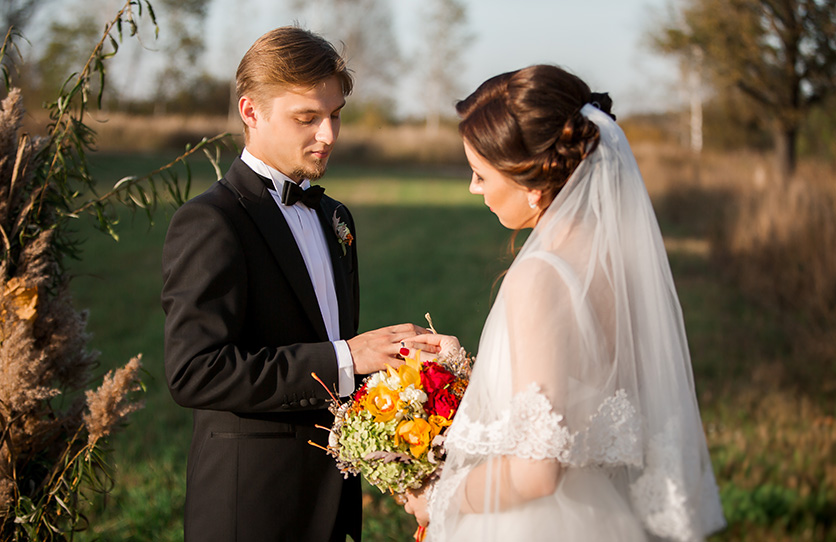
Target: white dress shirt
point(306, 227)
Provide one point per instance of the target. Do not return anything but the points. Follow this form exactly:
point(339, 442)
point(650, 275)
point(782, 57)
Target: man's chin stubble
point(312, 173)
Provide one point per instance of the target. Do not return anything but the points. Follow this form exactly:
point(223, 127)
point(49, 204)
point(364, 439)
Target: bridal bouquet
point(391, 430)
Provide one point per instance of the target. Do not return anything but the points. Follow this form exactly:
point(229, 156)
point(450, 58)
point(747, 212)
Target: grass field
point(426, 245)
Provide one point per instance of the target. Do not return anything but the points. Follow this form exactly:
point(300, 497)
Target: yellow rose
point(416, 433)
point(409, 375)
point(382, 403)
point(438, 423)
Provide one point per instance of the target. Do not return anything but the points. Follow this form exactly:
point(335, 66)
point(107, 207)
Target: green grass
point(426, 245)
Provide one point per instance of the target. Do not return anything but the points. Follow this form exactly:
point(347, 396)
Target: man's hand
point(374, 350)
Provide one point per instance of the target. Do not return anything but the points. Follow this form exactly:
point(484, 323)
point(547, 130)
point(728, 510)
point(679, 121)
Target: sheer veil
point(583, 376)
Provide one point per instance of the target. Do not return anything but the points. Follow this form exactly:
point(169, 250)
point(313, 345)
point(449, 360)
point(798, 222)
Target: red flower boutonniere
point(342, 232)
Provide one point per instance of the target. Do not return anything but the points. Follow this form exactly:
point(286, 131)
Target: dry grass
point(359, 143)
point(776, 241)
point(411, 144)
point(778, 244)
point(769, 406)
point(139, 133)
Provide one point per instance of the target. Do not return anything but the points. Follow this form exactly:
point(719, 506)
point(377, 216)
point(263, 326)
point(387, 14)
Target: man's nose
point(327, 132)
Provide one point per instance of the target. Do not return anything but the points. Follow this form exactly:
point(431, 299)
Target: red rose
point(360, 393)
point(434, 377)
point(441, 403)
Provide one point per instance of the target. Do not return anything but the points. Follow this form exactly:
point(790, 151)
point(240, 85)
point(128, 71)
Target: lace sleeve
point(530, 429)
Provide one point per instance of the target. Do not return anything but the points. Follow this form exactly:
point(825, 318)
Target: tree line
point(770, 62)
point(180, 81)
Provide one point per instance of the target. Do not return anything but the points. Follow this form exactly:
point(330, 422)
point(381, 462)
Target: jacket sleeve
point(204, 296)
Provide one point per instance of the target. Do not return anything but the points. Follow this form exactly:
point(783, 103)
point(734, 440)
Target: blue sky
point(599, 40)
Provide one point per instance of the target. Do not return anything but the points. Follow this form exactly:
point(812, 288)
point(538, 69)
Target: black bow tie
point(292, 192)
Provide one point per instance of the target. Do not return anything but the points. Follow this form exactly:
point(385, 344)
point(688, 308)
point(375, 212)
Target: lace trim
point(660, 497)
point(440, 501)
point(530, 429)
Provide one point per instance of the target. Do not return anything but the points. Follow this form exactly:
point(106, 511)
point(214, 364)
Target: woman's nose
point(475, 187)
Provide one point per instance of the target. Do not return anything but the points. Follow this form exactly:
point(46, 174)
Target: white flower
point(413, 396)
point(385, 379)
point(342, 232)
point(376, 379)
point(393, 382)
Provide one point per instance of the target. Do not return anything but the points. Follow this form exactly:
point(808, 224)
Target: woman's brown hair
point(528, 125)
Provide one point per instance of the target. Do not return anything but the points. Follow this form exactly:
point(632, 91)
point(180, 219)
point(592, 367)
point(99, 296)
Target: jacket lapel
point(261, 206)
point(340, 263)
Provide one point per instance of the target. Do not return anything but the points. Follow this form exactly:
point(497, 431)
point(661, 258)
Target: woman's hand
point(416, 504)
point(441, 344)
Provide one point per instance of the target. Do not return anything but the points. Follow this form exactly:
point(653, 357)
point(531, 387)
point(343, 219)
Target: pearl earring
point(532, 204)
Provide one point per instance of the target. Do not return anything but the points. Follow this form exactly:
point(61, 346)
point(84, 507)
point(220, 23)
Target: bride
point(580, 422)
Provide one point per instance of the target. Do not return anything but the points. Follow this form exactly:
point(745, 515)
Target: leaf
point(214, 160)
point(114, 44)
point(123, 180)
point(137, 194)
point(107, 225)
point(62, 504)
point(151, 13)
point(24, 299)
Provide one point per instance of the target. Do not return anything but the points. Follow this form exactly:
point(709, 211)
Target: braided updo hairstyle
point(528, 125)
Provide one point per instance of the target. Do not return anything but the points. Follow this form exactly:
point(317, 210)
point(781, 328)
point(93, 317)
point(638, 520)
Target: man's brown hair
point(286, 57)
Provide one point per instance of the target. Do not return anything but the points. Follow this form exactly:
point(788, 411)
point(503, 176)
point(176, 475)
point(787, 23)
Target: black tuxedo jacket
point(243, 333)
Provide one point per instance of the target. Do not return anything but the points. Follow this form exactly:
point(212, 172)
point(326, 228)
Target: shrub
point(52, 436)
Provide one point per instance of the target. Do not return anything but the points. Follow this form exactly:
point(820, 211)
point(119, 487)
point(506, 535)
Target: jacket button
point(314, 401)
point(303, 403)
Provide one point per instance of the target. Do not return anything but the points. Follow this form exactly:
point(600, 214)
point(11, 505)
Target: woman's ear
point(534, 198)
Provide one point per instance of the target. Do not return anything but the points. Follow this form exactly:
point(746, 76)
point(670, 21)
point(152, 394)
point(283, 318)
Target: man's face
point(297, 129)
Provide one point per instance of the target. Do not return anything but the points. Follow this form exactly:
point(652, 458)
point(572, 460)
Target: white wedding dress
point(580, 422)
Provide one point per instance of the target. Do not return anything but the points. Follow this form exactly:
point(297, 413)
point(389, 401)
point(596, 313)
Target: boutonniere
point(342, 232)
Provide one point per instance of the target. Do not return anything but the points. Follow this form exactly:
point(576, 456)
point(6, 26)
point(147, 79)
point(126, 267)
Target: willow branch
point(65, 110)
point(136, 180)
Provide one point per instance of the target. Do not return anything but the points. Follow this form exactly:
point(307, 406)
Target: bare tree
point(19, 13)
point(779, 53)
point(444, 38)
point(69, 44)
point(183, 40)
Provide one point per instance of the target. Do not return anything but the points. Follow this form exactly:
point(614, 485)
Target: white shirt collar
point(271, 173)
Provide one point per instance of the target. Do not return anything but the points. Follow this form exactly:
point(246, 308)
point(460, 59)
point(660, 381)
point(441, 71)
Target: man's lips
point(321, 154)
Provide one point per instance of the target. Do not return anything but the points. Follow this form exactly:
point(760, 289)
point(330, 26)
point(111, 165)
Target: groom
point(260, 290)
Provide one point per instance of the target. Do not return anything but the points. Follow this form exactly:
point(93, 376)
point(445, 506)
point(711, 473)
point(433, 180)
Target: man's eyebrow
point(309, 110)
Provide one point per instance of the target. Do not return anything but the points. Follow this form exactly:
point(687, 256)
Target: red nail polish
point(404, 351)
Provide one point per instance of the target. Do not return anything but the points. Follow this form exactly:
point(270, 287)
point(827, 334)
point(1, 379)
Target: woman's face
point(508, 200)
